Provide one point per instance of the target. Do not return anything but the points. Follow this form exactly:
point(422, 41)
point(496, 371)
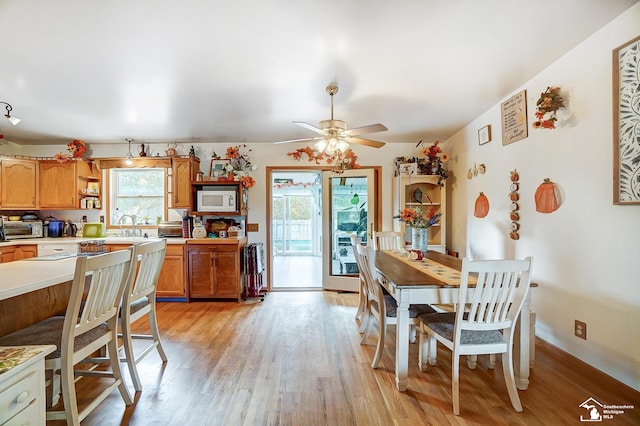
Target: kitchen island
point(32, 290)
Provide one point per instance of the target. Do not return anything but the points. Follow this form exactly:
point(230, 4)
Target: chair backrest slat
point(105, 276)
point(387, 240)
point(496, 299)
point(149, 257)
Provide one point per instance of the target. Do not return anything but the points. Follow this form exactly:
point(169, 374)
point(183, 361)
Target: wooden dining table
point(409, 285)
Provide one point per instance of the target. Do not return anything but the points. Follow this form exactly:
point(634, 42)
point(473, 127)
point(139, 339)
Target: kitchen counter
point(123, 240)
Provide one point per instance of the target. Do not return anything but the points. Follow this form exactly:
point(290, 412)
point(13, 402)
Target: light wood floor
point(296, 359)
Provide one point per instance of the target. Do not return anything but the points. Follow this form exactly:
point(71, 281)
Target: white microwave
point(216, 201)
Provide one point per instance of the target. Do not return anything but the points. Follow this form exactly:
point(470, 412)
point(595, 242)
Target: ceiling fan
point(334, 133)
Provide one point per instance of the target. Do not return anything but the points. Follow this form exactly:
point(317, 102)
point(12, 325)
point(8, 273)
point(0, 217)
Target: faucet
point(135, 232)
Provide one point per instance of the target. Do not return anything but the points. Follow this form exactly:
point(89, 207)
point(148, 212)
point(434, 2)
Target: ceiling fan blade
point(365, 142)
point(299, 140)
point(309, 127)
point(371, 128)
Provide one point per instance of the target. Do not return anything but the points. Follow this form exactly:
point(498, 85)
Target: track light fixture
point(12, 119)
point(129, 160)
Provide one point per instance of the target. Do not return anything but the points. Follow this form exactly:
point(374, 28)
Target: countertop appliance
point(56, 228)
point(216, 201)
point(15, 229)
point(170, 229)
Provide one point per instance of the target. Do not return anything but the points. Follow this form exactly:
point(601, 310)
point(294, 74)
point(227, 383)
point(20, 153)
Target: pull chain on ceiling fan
point(335, 135)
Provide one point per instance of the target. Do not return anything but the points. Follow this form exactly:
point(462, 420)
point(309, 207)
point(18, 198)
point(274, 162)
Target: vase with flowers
point(77, 148)
point(420, 220)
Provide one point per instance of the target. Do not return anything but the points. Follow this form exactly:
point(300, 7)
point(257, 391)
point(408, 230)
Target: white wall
point(587, 253)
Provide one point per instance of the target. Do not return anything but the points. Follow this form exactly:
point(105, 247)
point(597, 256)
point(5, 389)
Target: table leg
point(521, 345)
point(402, 344)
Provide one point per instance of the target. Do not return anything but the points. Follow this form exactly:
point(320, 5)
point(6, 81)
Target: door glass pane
point(348, 217)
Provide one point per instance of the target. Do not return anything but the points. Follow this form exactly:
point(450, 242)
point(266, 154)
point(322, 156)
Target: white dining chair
point(140, 302)
point(484, 321)
point(387, 240)
point(89, 324)
point(362, 293)
point(380, 307)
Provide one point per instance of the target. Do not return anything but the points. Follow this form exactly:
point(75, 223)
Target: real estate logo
point(597, 412)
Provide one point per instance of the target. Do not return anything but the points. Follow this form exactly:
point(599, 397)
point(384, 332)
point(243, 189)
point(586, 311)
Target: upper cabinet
point(183, 172)
point(421, 191)
point(57, 184)
point(18, 183)
point(87, 185)
point(219, 198)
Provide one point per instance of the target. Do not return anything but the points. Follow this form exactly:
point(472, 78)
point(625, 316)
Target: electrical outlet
point(252, 227)
point(580, 329)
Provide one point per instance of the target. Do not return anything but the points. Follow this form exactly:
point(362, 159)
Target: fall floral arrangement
point(342, 160)
point(547, 104)
point(430, 162)
point(77, 148)
point(418, 217)
point(239, 164)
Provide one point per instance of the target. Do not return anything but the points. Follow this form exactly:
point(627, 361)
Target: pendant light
point(12, 119)
point(129, 160)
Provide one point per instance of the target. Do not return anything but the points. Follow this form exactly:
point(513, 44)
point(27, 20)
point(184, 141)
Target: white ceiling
point(242, 71)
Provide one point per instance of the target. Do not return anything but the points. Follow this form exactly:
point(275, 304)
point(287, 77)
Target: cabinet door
point(171, 282)
point(57, 184)
point(26, 252)
point(18, 183)
point(7, 254)
point(226, 273)
point(183, 174)
point(201, 273)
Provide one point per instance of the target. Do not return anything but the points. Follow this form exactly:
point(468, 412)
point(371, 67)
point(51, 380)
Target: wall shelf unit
point(421, 191)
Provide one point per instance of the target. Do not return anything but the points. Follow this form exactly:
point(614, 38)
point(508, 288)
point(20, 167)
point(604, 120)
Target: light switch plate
point(252, 227)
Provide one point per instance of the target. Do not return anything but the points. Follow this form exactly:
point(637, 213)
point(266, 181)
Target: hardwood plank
point(296, 359)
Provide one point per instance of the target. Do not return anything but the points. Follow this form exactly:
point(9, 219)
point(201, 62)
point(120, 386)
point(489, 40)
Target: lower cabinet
point(11, 253)
point(171, 282)
point(215, 271)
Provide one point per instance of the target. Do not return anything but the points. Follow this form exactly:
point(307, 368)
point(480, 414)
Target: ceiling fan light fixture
point(321, 145)
point(12, 119)
point(342, 145)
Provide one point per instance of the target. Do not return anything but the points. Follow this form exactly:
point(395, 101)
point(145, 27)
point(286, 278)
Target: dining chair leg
point(379, 345)
point(507, 369)
point(130, 357)
point(114, 360)
point(366, 322)
point(472, 361)
point(412, 333)
point(433, 350)
point(423, 350)
point(492, 361)
point(455, 382)
point(153, 324)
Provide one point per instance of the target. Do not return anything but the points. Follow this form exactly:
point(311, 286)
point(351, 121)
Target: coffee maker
point(2, 238)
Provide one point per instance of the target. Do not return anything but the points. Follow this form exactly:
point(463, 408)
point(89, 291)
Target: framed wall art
point(514, 118)
point(626, 123)
point(484, 134)
point(218, 167)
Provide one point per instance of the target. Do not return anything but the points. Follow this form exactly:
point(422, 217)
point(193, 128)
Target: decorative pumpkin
point(514, 216)
point(546, 200)
point(514, 235)
point(513, 196)
point(515, 176)
point(482, 206)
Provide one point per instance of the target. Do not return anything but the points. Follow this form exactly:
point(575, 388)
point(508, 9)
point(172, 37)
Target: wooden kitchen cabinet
point(18, 183)
point(173, 277)
point(12, 253)
point(183, 172)
point(215, 271)
point(88, 183)
point(57, 184)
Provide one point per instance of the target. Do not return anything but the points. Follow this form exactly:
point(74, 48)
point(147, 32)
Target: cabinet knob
point(22, 397)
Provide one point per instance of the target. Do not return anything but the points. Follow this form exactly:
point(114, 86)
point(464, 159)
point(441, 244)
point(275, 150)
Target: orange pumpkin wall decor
point(482, 206)
point(545, 197)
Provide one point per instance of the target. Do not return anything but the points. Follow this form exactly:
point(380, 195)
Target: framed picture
point(408, 169)
point(218, 167)
point(514, 118)
point(626, 123)
point(484, 134)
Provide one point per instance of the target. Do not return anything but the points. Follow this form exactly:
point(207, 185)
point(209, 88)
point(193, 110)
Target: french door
point(348, 208)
